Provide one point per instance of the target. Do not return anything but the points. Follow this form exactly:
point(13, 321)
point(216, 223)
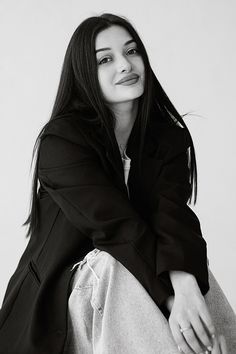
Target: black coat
point(83, 203)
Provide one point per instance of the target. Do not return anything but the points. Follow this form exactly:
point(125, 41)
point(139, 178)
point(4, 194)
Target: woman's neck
point(125, 114)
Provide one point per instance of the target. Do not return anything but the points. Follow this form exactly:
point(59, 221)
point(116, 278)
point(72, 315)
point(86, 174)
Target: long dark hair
point(79, 90)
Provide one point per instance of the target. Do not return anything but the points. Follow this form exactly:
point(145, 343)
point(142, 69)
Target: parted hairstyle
point(79, 90)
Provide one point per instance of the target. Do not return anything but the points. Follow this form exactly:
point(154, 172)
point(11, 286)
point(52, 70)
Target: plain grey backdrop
point(191, 46)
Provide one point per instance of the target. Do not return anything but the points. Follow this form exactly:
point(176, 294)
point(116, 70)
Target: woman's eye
point(133, 49)
point(102, 61)
point(107, 59)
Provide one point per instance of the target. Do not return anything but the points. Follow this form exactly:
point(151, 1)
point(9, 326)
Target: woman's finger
point(216, 346)
point(201, 332)
point(192, 340)
point(179, 338)
point(219, 345)
point(223, 346)
point(207, 320)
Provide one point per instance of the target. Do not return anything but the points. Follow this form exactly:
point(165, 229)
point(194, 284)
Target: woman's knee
point(91, 268)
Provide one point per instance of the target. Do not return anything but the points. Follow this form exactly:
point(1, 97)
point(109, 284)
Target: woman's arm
point(180, 245)
point(181, 249)
point(73, 176)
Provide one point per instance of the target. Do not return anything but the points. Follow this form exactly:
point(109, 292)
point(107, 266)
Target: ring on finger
point(185, 329)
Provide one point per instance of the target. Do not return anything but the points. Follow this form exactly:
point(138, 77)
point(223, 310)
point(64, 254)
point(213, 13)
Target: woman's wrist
point(181, 280)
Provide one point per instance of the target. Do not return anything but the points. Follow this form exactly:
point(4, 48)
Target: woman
point(116, 261)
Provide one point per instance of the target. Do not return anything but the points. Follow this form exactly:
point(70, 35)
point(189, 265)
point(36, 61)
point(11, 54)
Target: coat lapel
point(102, 144)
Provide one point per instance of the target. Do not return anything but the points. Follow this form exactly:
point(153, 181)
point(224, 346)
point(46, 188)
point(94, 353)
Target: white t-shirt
point(126, 164)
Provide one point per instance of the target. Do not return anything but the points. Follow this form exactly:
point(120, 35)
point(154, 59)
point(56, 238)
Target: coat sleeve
point(180, 244)
point(73, 177)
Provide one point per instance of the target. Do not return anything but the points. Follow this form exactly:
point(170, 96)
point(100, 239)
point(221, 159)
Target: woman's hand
point(219, 346)
point(189, 312)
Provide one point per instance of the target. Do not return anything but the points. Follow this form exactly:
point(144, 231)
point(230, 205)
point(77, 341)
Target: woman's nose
point(124, 64)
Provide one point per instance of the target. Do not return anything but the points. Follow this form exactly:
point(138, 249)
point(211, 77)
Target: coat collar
point(99, 138)
point(98, 133)
point(90, 125)
point(132, 149)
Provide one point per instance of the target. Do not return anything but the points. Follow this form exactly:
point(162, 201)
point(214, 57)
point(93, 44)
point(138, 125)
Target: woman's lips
point(129, 82)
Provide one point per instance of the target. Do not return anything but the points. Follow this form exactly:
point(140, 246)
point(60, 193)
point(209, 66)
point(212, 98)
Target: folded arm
point(180, 244)
point(74, 178)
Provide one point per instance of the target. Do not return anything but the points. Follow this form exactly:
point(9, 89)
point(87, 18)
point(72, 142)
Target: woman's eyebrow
point(101, 49)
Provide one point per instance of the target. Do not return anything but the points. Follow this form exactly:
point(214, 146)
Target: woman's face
point(118, 59)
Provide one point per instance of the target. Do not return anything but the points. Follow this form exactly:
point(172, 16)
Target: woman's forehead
point(112, 35)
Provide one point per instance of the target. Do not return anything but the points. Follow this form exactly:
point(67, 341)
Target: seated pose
point(116, 261)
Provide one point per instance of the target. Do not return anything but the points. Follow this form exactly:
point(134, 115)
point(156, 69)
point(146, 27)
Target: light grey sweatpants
point(110, 312)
